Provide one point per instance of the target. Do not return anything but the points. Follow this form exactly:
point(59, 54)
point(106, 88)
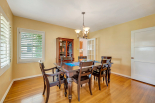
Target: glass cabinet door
point(62, 49)
point(69, 48)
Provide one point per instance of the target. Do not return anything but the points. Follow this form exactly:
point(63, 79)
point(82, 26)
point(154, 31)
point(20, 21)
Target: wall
point(6, 77)
point(115, 41)
point(51, 33)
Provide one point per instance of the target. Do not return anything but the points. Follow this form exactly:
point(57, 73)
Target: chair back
point(106, 57)
point(41, 65)
point(103, 68)
point(81, 57)
point(86, 68)
point(66, 58)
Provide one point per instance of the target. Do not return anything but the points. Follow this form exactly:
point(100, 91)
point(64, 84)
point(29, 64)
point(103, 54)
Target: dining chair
point(101, 73)
point(51, 80)
point(81, 57)
point(103, 57)
point(66, 58)
point(84, 76)
point(109, 67)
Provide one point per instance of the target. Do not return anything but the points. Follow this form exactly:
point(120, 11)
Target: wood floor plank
point(120, 90)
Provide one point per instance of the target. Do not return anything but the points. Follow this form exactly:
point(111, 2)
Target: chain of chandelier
point(85, 30)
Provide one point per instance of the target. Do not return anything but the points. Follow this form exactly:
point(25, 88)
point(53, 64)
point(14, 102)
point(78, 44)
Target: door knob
point(132, 57)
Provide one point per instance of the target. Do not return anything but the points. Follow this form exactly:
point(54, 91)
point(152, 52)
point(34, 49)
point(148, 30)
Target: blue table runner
point(77, 63)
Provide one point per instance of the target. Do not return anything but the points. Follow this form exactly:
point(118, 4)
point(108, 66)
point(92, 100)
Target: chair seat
point(99, 67)
point(53, 79)
point(82, 77)
point(97, 73)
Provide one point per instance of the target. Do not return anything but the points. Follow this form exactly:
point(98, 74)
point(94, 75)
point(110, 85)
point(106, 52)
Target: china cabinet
point(64, 48)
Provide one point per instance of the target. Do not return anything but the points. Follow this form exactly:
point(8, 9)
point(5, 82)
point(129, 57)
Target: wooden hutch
point(65, 48)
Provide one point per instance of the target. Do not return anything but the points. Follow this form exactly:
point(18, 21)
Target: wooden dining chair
point(66, 59)
point(103, 57)
point(109, 66)
point(63, 59)
point(51, 80)
point(84, 76)
point(101, 73)
point(81, 57)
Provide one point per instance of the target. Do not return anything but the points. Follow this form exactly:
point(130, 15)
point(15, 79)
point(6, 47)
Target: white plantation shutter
point(30, 45)
point(5, 40)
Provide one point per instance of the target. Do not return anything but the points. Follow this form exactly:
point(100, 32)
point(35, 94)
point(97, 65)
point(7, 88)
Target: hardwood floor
point(120, 90)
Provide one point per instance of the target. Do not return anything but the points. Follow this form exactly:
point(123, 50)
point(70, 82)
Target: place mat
point(77, 63)
point(73, 64)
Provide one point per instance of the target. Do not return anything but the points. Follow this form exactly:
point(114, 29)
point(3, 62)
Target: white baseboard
point(3, 98)
point(121, 75)
point(27, 77)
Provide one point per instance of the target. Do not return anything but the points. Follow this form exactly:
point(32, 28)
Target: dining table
point(71, 70)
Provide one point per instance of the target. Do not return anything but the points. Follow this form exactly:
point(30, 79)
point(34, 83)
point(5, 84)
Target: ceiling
point(99, 13)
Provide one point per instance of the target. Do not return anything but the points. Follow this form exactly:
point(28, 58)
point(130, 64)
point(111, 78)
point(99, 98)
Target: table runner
point(77, 63)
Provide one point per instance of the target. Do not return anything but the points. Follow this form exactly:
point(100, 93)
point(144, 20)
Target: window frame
point(2, 70)
point(19, 60)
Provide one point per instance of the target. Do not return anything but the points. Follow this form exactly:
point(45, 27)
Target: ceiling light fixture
point(85, 30)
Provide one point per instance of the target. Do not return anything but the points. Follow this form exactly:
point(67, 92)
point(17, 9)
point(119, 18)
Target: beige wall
point(115, 41)
point(51, 33)
point(6, 78)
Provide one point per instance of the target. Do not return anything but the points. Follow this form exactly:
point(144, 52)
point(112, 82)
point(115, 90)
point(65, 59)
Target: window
point(31, 45)
point(5, 41)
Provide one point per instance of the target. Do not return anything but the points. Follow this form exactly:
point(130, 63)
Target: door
point(83, 47)
point(91, 49)
point(143, 55)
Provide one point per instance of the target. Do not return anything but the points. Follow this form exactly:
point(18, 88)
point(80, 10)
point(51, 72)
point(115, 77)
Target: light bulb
point(86, 29)
point(77, 31)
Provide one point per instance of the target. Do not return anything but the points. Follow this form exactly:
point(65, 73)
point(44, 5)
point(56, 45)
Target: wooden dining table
point(70, 71)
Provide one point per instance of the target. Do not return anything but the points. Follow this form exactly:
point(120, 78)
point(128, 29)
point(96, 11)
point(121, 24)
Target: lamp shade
point(86, 29)
point(77, 31)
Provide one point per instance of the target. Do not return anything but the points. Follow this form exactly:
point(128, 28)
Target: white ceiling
point(99, 13)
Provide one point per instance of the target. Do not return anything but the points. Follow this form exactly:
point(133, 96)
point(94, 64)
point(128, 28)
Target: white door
point(91, 48)
point(143, 55)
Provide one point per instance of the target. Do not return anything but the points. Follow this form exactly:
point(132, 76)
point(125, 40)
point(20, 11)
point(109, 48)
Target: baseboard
point(27, 77)
point(3, 98)
point(121, 75)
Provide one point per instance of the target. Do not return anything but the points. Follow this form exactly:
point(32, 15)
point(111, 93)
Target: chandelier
point(85, 30)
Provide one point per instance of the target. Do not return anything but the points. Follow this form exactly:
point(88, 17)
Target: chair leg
point(99, 83)
point(103, 78)
point(94, 77)
point(90, 86)
point(47, 95)
point(106, 80)
point(65, 87)
point(81, 85)
point(78, 91)
point(44, 88)
point(59, 86)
